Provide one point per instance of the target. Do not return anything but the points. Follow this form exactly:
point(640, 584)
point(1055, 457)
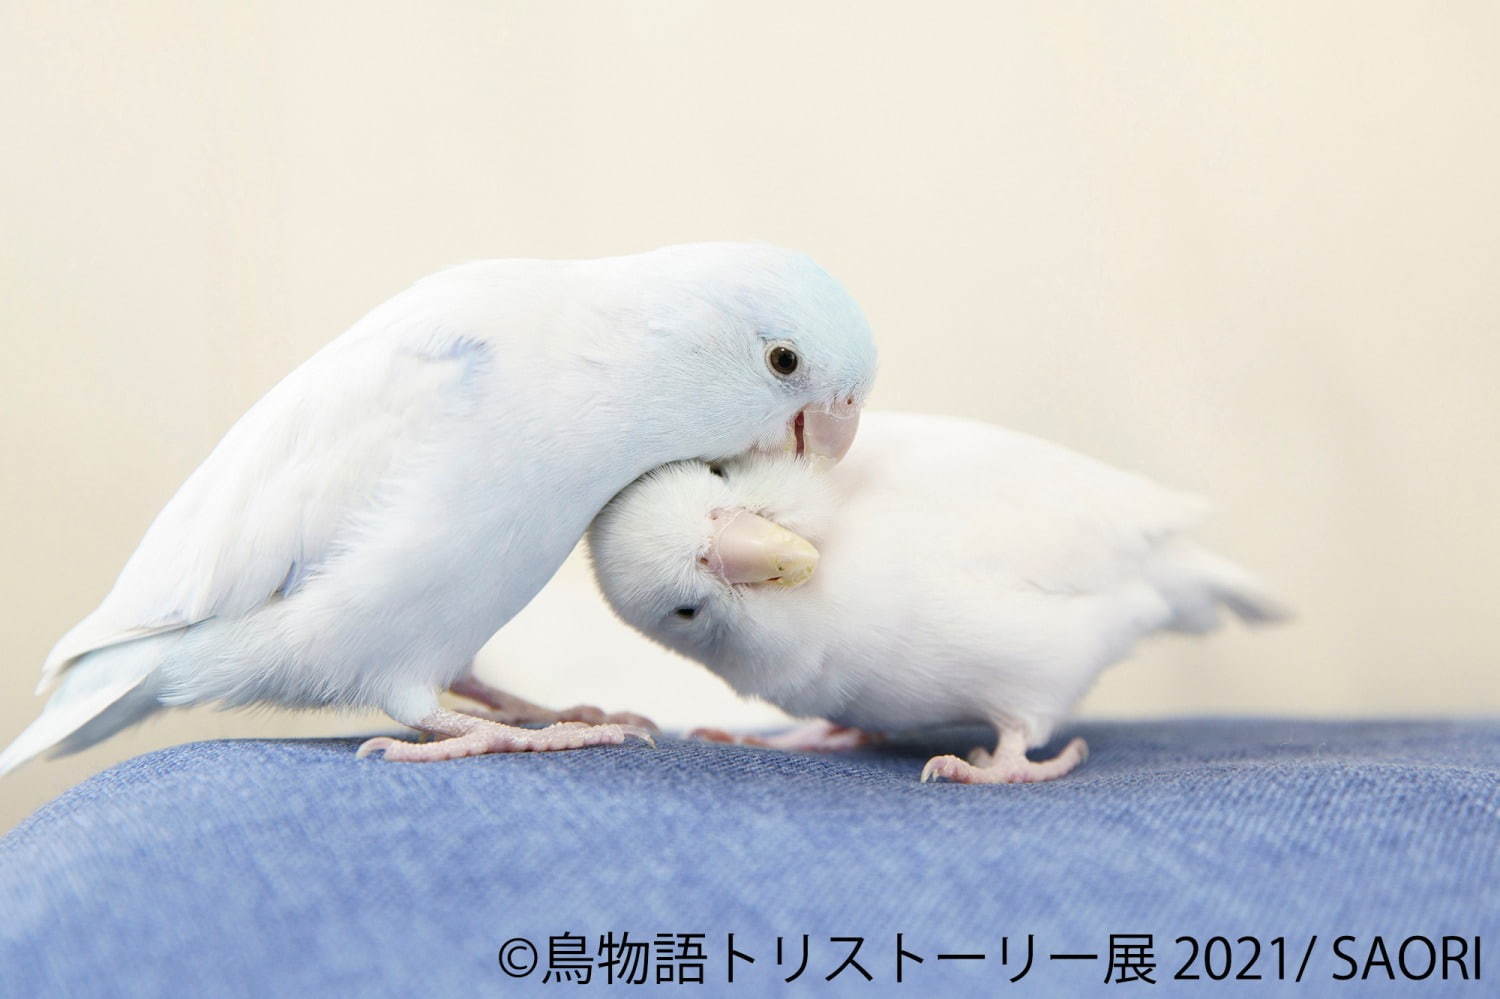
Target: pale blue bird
point(360, 533)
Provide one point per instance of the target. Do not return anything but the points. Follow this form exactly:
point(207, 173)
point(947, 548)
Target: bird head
point(773, 352)
point(700, 556)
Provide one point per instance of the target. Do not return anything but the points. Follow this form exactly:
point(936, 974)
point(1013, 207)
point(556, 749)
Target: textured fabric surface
point(291, 868)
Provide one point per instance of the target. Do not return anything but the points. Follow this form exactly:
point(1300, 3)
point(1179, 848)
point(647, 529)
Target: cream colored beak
point(748, 548)
point(825, 431)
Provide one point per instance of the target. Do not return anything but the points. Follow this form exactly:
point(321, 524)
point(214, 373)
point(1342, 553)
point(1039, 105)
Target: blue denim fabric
point(290, 868)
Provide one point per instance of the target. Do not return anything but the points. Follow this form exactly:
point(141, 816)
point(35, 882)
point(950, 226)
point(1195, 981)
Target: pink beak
point(826, 431)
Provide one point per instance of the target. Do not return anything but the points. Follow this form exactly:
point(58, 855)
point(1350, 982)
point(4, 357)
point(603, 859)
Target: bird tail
point(1196, 583)
point(101, 693)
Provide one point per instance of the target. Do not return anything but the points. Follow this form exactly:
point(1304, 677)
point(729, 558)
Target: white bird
point(964, 574)
point(360, 533)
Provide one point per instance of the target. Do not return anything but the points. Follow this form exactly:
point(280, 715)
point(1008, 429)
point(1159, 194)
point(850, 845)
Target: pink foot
point(591, 715)
point(508, 709)
point(1008, 765)
point(470, 736)
point(813, 737)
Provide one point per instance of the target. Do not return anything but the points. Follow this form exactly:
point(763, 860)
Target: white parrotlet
point(946, 572)
point(360, 533)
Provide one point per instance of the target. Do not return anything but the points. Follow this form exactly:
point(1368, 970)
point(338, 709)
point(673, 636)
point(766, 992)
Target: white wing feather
point(1040, 514)
point(270, 501)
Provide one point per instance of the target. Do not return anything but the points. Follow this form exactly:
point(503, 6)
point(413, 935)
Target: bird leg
point(508, 709)
point(465, 735)
point(1007, 764)
point(811, 737)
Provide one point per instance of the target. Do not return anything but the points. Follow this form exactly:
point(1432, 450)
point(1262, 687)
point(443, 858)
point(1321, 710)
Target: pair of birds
point(360, 533)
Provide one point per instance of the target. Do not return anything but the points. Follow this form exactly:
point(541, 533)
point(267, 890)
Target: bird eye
point(782, 360)
point(716, 470)
point(686, 613)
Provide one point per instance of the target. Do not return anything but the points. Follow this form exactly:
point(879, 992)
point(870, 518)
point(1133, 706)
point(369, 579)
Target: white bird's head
point(703, 557)
point(772, 352)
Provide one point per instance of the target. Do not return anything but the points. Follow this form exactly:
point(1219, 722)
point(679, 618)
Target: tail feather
point(136, 705)
point(1196, 583)
point(100, 694)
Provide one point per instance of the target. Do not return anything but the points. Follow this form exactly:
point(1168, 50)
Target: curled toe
point(585, 713)
point(943, 767)
point(375, 745)
point(632, 719)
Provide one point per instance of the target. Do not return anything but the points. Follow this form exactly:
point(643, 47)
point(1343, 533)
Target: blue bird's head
point(782, 355)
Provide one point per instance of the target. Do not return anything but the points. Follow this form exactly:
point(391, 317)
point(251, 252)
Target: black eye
point(716, 470)
point(783, 360)
point(686, 613)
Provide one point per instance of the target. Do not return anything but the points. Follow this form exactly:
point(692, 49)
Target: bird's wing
point(270, 501)
point(1079, 525)
point(1045, 516)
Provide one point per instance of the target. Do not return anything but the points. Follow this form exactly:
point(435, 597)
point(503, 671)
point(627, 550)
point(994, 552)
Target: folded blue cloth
point(291, 868)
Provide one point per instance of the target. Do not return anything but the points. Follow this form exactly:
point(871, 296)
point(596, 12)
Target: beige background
point(1250, 249)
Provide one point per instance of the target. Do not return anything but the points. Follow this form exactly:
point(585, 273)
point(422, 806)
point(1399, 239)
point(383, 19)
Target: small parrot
point(359, 533)
point(946, 572)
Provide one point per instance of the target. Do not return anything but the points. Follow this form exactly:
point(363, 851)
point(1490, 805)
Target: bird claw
point(494, 738)
point(1001, 767)
point(942, 767)
point(374, 745)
